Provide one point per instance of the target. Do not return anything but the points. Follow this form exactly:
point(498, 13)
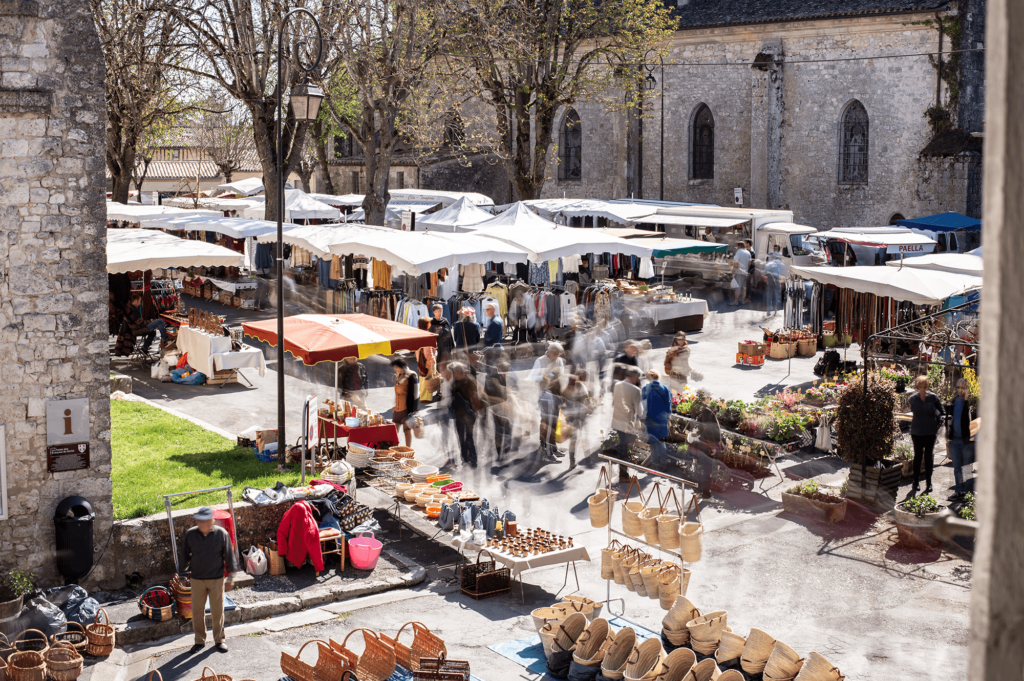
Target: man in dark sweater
point(208, 555)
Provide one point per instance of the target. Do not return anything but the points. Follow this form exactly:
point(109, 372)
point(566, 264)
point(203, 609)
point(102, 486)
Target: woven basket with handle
point(157, 603)
point(649, 515)
point(26, 666)
point(691, 541)
point(75, 637)
point(756, 652)
point(568, 630)
point(424, 644)
point(5, 647)
point(181, 587)
point(213, 676)
point(377, 661)
point(613, 666)
point(783, 665)
point(631, 510)
point(607, 570)
point(31, 640)
point(677, 664)
point(669, 585)
point(646, 661)
point(817, 668)
point(101, 636)
point(602, 501)
point(668, 522)
point(63, 663)
point(592, 644)
point(328, 667)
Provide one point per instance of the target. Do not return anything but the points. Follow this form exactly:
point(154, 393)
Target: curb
point(146, 631)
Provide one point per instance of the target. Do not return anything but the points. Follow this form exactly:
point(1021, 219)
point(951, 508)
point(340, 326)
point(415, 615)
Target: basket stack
point(73, 634)
point(101, 636)
point(756, 652)
point(674, 625)
point(359, 455)
point(706, 631)
point(181, 588)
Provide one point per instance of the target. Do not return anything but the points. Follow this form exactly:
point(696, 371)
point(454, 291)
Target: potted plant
point(13, 587)
point(815, 501)
point(866, 431)
point(915, 519)
point(967, 510)
point(899, 375)
point(903, 454)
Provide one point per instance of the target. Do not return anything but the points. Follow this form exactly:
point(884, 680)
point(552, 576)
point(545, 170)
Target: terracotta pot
point(916, 531)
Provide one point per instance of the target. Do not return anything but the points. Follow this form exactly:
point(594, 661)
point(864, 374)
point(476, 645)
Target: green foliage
point(921, 505)
point(865, 427)
point(155, 453)
point(903, 451)
point(967, 510)
point(15, 583)
point(782, 427)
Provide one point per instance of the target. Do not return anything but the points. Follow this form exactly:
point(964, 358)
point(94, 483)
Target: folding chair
point(140, 356)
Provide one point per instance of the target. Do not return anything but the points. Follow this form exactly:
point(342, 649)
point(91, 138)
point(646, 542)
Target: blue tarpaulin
point(942, 222)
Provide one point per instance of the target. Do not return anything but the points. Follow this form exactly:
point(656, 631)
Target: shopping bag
point(417, 428)
point(255, 562)
point(563, 431)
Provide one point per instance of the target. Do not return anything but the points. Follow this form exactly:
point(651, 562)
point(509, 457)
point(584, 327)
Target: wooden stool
point(339, 548)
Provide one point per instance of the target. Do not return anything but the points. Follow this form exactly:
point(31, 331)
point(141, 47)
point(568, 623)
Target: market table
point(687, 315)
point(369, 436)
point(208, 353)
point(518, 566)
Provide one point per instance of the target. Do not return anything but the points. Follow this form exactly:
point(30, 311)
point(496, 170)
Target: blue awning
point(942, 222)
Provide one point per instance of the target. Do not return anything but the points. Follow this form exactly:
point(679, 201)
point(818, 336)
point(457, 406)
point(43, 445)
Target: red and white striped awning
point(316, 338)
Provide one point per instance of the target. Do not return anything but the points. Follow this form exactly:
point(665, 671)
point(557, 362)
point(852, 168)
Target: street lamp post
point(649, 83)
point(305, 101)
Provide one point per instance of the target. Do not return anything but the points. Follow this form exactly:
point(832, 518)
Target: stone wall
point(777, 92)
point(143, 545)
point(53, 309)
point(479, 173)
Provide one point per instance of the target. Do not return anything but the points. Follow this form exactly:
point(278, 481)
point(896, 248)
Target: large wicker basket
point(63, 663)
point(101, 636)
point(329, 665)
point(26, 666)
point(79, 640)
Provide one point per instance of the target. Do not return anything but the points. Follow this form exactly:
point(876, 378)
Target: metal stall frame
point(170, 519)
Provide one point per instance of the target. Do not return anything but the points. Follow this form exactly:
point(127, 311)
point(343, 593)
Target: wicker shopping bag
point(376, 663)
point(424, 644)
point(329, 666)
point(631, 510)
point(649, 515)
point(602, 501)
point(668, 521)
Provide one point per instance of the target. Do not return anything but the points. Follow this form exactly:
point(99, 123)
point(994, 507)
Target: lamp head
point(305, 99)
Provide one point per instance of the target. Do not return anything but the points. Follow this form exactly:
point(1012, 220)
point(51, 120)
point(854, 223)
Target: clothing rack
point(677, 553)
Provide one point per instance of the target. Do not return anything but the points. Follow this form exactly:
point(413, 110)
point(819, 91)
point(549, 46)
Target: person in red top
point(298, 536)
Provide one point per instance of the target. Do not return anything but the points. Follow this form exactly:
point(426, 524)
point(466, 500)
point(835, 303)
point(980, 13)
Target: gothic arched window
point(853, 148)
point(454, 130)
point(703, 149)
point(570, 146)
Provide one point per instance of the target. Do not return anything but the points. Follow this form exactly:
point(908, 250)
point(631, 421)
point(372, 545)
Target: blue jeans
point(154, 326)
point(774, 293)
point(962, 453)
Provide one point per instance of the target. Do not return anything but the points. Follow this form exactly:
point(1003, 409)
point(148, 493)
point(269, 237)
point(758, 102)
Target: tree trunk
point(321, 156)
point(305, 173)
point(122, 186)
point(227, 173)
point(378, 170)
point(522, 177)
point(142, 178)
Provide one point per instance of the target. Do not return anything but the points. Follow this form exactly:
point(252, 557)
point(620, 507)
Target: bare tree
point(321, 138)
point(234, 43)
point(384, 76)
point(307, 163)
point(140, 52)
point(532, 58)
point(225, 136)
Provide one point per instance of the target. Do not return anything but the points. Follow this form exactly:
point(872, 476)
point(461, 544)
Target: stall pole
point(170, 518)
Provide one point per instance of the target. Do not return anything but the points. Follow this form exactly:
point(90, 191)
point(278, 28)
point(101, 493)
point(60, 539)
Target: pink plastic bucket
point(364, 551)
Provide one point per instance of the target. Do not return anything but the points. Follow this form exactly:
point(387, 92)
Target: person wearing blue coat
point(495, 329)
point(657, 400)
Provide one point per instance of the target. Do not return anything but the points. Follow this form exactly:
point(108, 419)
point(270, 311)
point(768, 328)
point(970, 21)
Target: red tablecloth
point(369, 436)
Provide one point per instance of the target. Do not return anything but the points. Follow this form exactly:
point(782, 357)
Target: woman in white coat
point(677, 364)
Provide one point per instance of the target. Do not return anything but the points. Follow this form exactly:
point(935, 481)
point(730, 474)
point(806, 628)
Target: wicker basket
point(817, 668)
point(101, 636)
point(592, 644)
point(63, 663)
point(542, 616)
point(782, 350)
point(649, 575)
point(623, 644)
point(3, 669)
point(636, 579)
point(568, 630)
point(576, 605)
point(646, 661)
point(5, 647)
point(424, 644)
point(617, 557)
point(607, 569)
point(38, 643)
point(329, 664)
point(691, 541)
point(599, 503)
point(783, 665)
point(377, 661)
point(628, 563)
point(756, 652)
point(668, 522)
point(705, 670)
point(649, 516)
point(157, 603)
point(708, 628)
point(730, 647)
point(596, 607)
point(181, 587)
point(808, 347)
point(631, 511)
point(26, 666)
point(677, 664)
point(213, 676)
point(76, 639)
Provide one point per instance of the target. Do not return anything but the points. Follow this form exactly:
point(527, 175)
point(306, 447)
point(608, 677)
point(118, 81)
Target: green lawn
point(155, 453)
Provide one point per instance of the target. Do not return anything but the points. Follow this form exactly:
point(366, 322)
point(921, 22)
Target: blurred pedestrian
point(924, 426)
point(657, 410)
point(465, 402)
point(629, 357)
point(774, 274)
point(959, 443)
point(577, 407)
point(494, 332)
point(496, 395)
point(353, 382)
point(440, 326)
point(627, 403)
point(740, 272)
point(677, 364)
point(547, 372)
point(407, 398)
point(466, 331)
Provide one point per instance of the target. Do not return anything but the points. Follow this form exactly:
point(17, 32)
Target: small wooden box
point(751, 348)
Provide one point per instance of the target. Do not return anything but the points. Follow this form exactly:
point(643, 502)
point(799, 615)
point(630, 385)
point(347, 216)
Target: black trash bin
point(73, 525)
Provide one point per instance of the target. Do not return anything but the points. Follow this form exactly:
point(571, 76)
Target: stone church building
point(832, 109)
point(818, 107)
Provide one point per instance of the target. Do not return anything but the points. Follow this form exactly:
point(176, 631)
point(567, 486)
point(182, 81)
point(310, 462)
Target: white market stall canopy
point(417, 253)
point(690, 221)
point(462, 213)
point(236, 228)
point(918, 286)
point(298, 205)
point(960, 263)
point(129, 250)
point(133, 212)
point(236, 205)
point(544, 240)
point(664, 246)
point(622, 213)
point(394, 210)
point(423, 196)
point(317, 239)
point(332, 200)
point(893, 240)
point(247, 187)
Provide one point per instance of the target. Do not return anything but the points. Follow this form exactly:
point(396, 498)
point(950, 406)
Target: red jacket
point(298, 536)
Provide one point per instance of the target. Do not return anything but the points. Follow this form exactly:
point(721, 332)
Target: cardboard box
point(749, 360)
point(236, 301)
point(264, 438)
point(751, 348)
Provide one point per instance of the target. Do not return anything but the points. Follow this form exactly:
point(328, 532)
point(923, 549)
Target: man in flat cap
point(209, 556)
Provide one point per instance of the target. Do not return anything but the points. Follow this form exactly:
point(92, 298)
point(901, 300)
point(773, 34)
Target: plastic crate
point(749, 360)
point(266, 457)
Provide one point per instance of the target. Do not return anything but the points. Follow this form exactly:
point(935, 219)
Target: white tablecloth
point(238, 359)
point(676, 310)
point(232, 286)
point(519, 565)
point(200, 347)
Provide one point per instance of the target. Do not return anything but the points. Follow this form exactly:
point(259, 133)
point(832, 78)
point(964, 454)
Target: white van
point(848, 246)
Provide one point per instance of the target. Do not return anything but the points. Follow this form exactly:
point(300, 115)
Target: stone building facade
point(792, 95)
point(53, 300)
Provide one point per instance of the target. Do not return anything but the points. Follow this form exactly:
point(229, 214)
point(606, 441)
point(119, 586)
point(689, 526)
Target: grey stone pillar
point(997, 606)
point(766, 109)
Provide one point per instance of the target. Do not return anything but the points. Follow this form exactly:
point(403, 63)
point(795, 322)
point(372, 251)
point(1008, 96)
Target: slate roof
point(703, 13)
